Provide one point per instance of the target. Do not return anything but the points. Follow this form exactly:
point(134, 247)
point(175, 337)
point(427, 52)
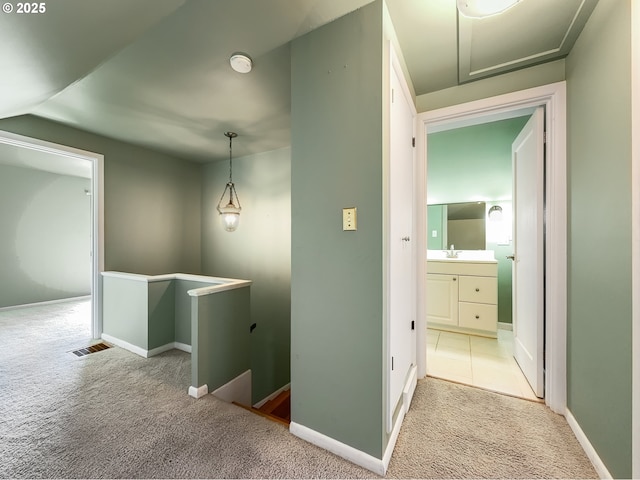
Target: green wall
point(260, 250)
point(151, 200)
point(221, 339)
point(436, 222)
point(45, 233)
point(336, 276)
point(474, 163)
point(599, 285)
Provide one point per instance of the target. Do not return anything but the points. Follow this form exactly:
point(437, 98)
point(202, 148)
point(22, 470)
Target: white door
point(401, 328)
point(528, 261)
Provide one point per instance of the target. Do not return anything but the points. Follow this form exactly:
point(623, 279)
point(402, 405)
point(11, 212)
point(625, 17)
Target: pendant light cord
point(230, 150)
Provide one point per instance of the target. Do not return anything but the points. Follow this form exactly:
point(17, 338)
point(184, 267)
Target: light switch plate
point(349, 219)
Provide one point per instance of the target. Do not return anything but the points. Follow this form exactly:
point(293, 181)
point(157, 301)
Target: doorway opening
point(470, 199)
point(553, 99)
point(66, 160)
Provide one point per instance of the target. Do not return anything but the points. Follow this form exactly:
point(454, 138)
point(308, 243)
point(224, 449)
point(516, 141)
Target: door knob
point(511, 257)
point(406, 239)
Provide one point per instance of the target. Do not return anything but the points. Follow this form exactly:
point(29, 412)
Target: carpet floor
point(113, 414)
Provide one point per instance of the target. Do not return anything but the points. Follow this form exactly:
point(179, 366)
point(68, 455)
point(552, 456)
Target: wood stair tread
point(283, 398)
point(264, 414)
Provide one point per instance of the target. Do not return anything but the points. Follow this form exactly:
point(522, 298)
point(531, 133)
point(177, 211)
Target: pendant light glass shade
point(484, 8)
point(229, 213)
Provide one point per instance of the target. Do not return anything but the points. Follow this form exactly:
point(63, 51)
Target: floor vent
point(98, 347)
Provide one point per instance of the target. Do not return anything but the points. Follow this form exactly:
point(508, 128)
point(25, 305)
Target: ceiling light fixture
point(230, 213)
point(241, 62)
point(484, 8)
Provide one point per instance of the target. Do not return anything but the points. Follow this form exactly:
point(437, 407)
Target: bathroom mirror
point(459, 224)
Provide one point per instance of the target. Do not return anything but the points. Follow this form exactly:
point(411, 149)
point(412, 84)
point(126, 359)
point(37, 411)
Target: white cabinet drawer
point(478, 289)
point(479, 316)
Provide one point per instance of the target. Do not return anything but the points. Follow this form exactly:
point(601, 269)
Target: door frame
point(635, 239)
point(553, 98)
point(97, 211)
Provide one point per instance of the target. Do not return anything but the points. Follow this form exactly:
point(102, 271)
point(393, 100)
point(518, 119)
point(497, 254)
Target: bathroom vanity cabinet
point(462, 296)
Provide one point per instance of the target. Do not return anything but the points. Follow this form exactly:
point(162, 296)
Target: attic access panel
point(531, 32)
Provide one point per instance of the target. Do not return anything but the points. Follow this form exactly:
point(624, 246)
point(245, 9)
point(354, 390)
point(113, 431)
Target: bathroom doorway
point(552, 98)
point(469, 173)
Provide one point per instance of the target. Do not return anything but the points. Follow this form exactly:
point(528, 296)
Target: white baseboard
point(126, 345)
point(354, 455)
point(410, 388)
point(597, 463)
point(169, 346)
point(48, 302)
point(182, 346)
point(141, 351)
point(343, 450)
point(197, 392)
point(237, 390)
point(505, 326)
point(393, 438)
point(273, 395)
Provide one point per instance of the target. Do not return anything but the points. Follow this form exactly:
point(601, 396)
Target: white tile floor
point(478, 361)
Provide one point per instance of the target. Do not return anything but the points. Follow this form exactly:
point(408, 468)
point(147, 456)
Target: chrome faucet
point(451, 253)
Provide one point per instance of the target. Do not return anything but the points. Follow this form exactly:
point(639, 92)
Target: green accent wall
point(151, 200)
point(161, 311)
point(221, 339)
point(337, 276)
point(436, 222)
point(126, 310)
point(599, 285)
point(45, 233)
point(259, 250)
point(472, 163)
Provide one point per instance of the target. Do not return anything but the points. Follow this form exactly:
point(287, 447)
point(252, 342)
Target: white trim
point(169, 346)
point(341, 449)
point(635, 239)
point(182, 347)
point(126, 345)
point(146, 353)
point(553, 98)
point(505, 326)
point(410, 388)
point(584, 442)
point(198, 392)
point(273, 395)
point(353, 454)
point(97, 211)
point(45, 303)
point(393, 437)
point(219, 284)
point(237, 390)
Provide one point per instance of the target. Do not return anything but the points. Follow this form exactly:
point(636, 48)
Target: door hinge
point(391, 363)
point(413, 142)
point(413, 324)
point(544, 137)
point(392, 95)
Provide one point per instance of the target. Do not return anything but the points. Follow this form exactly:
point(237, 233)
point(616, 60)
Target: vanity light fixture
point(495, 213)
point(241, 62)
point(484, 8)
point(230, 213)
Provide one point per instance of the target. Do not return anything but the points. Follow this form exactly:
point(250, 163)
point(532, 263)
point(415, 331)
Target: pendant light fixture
point(230, 213)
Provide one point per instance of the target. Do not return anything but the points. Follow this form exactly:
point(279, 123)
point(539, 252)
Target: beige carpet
point(113, 414)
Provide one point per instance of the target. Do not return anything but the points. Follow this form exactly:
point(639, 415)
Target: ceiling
point(156, 72)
